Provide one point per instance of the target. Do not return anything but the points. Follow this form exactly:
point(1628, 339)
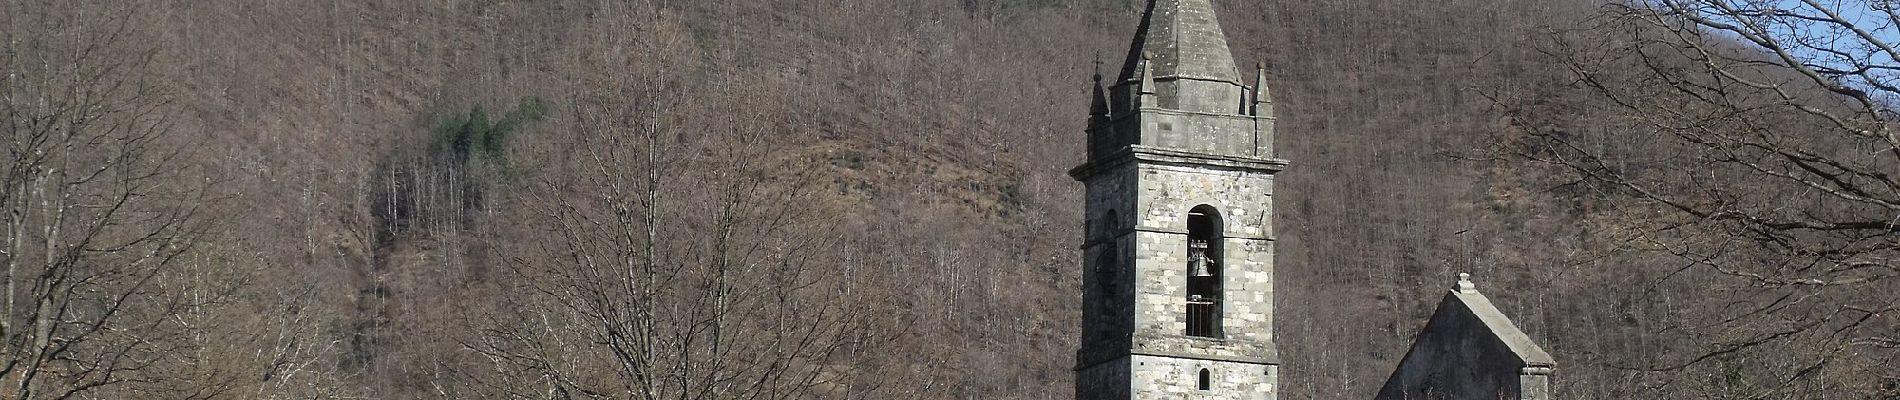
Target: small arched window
point(1204, 264)
point(1207, 381)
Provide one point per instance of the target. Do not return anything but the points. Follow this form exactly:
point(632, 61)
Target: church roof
point(1500, 326)
point(1185, 40)
point(1470, 350)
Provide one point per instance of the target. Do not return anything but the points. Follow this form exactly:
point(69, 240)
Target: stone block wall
point(1105, 381)
point(1200, 95)
point(1135, 344)
point(1158, 377)
point(1108, 267)
point(1229, 133)
point(1243, 199)
point(1178, 378)
point(1468, 350)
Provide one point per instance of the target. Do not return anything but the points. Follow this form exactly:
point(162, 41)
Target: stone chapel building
point(1178, 248)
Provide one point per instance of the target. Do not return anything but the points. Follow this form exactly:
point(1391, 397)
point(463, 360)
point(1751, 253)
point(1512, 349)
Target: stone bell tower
point(1178, 252)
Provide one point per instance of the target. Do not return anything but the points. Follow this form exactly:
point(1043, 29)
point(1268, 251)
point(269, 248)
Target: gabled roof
point(1467, 295)
point(1185, 40)
point(1469, 350)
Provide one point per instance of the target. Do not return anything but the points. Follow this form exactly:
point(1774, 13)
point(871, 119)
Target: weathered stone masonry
point(1178, 248)
point(1178, 134)
point(1469, 350)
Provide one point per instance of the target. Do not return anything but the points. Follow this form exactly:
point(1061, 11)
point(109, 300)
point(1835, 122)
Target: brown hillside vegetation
point(782, 199)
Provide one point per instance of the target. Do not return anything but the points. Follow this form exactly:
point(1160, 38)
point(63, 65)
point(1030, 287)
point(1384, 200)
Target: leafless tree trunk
point(1747, 151)
point(100, 204)
point(674, 250)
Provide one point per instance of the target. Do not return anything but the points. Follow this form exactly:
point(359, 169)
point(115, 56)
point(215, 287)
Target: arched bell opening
point(1204, 270)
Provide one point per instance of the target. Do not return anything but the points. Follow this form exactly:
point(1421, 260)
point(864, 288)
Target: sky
point(1815, 39)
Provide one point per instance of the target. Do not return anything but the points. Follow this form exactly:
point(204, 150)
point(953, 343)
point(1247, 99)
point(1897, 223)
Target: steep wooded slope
point(936, 132)
point(933, 113)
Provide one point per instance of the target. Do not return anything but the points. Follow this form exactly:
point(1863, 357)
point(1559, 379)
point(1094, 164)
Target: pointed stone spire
point(1099, 100)
point(1179, 90)
point(1185, 40)
point(1262, 97)
point(1147, 82)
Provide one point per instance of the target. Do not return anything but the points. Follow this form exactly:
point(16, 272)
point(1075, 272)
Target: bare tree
point(1746, 151)
point(100, 205)
point(672, 250)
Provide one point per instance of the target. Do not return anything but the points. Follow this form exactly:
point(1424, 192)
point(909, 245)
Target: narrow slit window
point(1207, 381)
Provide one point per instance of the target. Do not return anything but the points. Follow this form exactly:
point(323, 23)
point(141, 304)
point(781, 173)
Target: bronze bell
point(1199, 265)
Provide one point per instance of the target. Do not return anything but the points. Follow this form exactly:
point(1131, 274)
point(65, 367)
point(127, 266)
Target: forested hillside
point(867, 198)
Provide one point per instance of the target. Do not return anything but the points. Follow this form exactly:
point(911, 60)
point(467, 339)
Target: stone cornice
point(1125, 232)
point(1161, 156)
point(1170, 111)
point(1179, 76)
point(1270, 359)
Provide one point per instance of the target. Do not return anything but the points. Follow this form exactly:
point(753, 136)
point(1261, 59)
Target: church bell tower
point(1178, 252)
